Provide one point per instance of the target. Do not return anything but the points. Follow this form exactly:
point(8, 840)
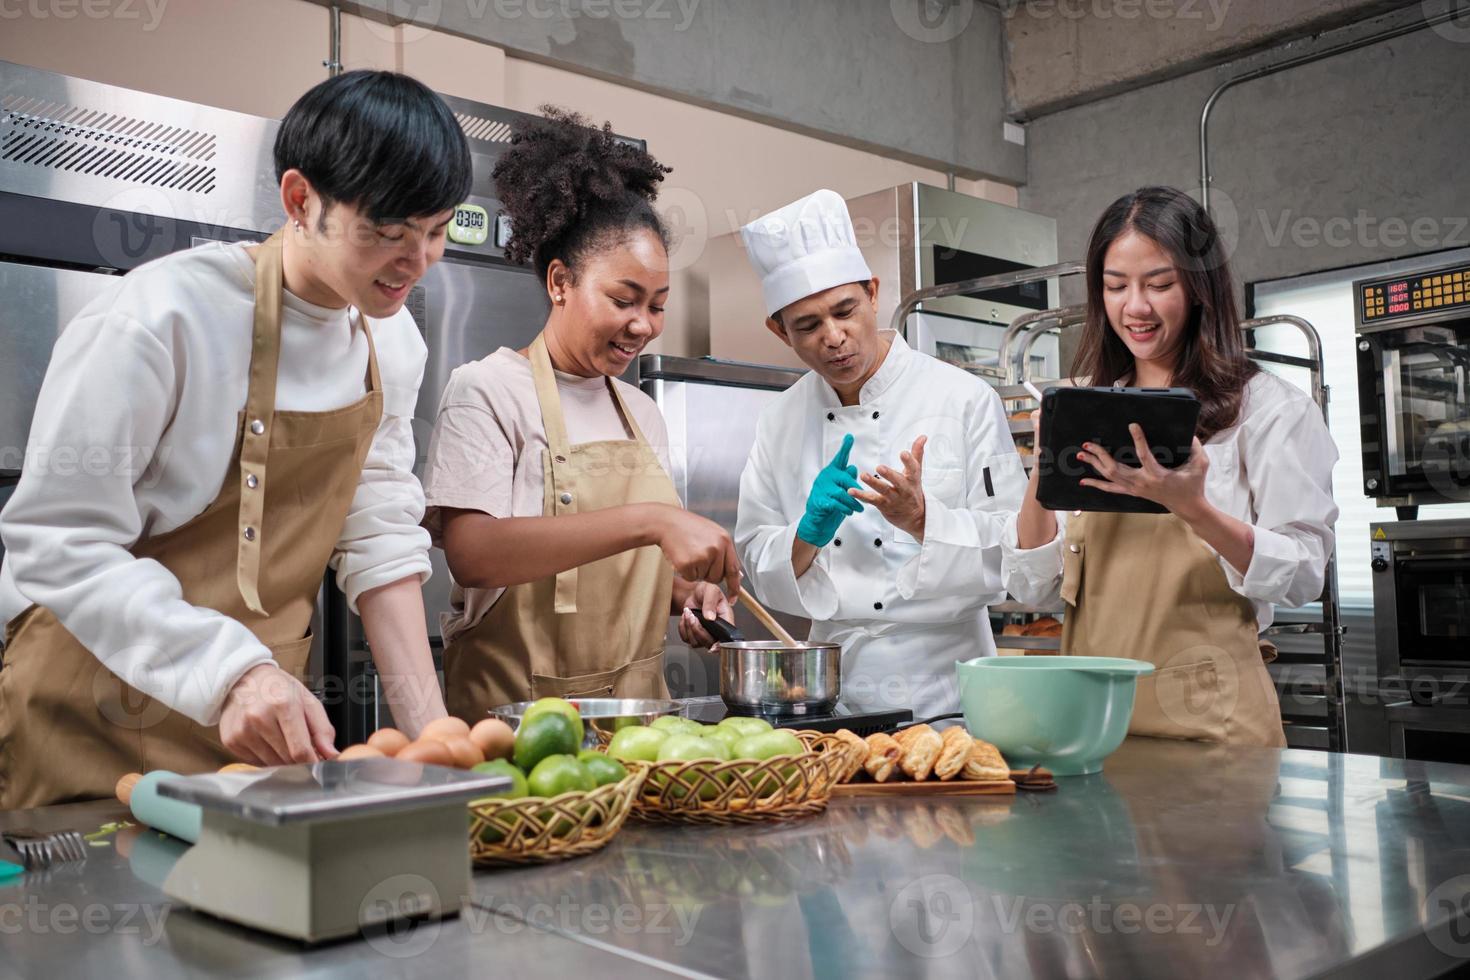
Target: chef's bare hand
point(698, 548)
point(1181, 490)
point(899, 497)
point(710, 601)
point(271, 719)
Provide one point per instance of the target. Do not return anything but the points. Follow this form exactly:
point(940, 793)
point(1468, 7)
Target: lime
point(503, 767)
point(499, 767)
point(549, 733)
point(559, 706)
point(602, 769)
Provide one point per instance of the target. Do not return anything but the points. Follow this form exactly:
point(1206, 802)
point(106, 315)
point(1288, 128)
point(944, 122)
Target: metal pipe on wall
point(1297, 62)
point(333, 64)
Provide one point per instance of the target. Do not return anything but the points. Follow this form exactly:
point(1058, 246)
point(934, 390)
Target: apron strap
point(260, 406)
point(556, 501)
point(374, 378)
point(631, 422)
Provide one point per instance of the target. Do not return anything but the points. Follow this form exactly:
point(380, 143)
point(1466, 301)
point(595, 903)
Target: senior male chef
point(875, 494)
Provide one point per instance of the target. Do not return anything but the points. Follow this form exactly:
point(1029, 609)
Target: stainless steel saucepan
point(778, 677)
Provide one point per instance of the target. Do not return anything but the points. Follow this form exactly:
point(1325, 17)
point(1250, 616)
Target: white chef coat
point(1272, 470)
point(133, 436)
point(904, 612)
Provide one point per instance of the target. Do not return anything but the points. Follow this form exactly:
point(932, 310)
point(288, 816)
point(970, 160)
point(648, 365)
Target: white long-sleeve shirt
point(133, 436)
point(872, 574)
point(1272, 470)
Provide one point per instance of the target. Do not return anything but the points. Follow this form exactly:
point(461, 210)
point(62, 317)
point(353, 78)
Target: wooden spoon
point(766, 619)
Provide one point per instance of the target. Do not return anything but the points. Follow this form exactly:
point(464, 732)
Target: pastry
point(883, 756)
point(854, 756)
point(985, 763)
point(954, 751)
point(921, 746)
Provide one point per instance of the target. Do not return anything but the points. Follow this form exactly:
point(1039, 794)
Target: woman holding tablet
point(1250, 513)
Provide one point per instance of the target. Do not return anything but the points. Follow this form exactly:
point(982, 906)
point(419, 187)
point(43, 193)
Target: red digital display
point(1415, 295)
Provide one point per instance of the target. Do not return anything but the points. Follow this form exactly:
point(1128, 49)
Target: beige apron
point(69, 727)
point(1146, 587)
point(593, 631)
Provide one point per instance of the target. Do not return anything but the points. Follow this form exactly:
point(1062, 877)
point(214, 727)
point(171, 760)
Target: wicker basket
point(740, 791)
point(535, 829)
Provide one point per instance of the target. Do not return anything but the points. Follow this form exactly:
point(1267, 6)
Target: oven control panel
point(1398, 297)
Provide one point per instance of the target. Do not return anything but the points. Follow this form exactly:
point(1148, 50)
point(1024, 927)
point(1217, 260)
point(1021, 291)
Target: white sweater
point(133, 436)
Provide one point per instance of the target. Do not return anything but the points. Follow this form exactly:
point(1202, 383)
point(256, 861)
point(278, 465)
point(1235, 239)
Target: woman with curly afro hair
point(548, 478)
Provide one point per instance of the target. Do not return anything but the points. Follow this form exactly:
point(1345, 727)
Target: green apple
point(744, 725)
point(675, 725)
point(637, 742)
point(769, 744)
point(688, 748)
point(727, 736)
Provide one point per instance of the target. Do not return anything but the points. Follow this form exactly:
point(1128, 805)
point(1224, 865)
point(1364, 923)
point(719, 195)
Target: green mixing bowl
point(1066, 713)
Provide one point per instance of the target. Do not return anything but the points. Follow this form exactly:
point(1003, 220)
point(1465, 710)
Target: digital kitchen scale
point(710, 710)
point(320, 851)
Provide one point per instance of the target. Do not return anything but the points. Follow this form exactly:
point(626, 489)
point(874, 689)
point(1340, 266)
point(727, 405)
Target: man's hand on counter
point(271, 719)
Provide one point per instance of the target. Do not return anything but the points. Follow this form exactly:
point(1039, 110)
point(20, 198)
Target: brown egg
point(389, 741)
point(361, 752)
point(493, 738)
point(465, 752)
point(239, 767)
point(444, 728)
point(427, 750)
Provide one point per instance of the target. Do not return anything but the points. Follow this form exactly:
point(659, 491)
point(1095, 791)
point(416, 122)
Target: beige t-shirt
point(488, 447)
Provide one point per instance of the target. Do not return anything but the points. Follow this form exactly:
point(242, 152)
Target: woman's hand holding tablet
point(1129, 450)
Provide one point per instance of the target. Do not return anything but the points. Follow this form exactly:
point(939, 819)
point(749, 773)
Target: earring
point(298, 224)
point(558, 297)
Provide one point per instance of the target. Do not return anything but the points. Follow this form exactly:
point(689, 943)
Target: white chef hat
point(804, 248)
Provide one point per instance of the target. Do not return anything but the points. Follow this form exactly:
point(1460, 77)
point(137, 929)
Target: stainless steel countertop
point(1177, 860)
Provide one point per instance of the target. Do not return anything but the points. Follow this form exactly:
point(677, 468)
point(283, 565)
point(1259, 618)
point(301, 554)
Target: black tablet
point(1072, 416)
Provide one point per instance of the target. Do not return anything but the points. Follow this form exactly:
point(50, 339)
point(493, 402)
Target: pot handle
point(722, 631)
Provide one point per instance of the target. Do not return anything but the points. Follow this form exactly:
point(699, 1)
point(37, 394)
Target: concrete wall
point(1354, 159)
point(918, 80)
point(259, 56)
point(1061, 53)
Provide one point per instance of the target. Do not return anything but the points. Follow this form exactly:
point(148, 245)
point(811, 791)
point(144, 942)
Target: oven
point(1421, 621)
point(1413, 345)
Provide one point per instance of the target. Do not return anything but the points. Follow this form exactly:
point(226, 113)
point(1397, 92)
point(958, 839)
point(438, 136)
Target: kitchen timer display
point(1389, 299)
point(470, 225)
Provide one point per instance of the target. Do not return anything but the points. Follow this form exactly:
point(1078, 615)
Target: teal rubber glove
point(828, 504)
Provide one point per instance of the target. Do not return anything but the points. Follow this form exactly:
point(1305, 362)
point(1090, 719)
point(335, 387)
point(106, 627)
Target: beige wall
point(258, 56)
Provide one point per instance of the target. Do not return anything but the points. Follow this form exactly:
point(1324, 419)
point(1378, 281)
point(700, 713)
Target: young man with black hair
point(157, 615)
